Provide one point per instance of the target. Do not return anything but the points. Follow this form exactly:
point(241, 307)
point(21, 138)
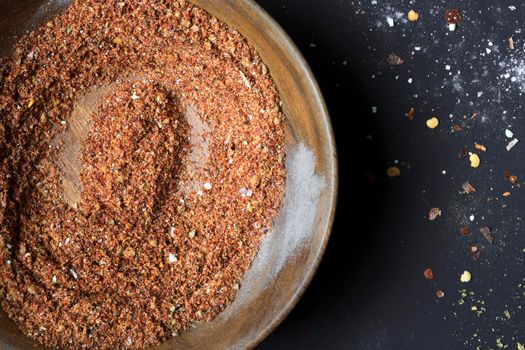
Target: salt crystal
point(207, 186)
point(390, 21)
point(74, 273)
point(8, 262)
point(374, 2)
point(410, 80)
point(54, 279)
point(172, 231)
point(509, 133)
point(172, 258)
point(134, 96)
point(447, 67)
point(452, 27)
point(9, 246)
point(374, 110)
point(512, 144)
point(471, 217)
point(512, 8)
point(488, 50)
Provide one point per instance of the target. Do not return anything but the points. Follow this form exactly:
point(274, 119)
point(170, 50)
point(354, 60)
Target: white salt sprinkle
point(207, 186)
point(390, 21)
point(509, 133)
point(172, 258)
point(74, 274)
point(292, 228)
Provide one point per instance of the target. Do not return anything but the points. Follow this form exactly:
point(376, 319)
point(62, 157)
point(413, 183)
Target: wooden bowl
point(277, 280)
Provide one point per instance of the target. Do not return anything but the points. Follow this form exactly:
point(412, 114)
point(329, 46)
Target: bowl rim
point(303, 66)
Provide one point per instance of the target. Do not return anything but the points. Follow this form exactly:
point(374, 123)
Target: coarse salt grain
point(511, 144)
point(172, 258)
point(207, 186)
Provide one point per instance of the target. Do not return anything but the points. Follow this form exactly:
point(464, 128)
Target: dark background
point(370, 292)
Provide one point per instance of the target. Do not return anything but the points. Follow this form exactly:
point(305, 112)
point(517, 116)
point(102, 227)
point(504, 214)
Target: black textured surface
point(369, 292)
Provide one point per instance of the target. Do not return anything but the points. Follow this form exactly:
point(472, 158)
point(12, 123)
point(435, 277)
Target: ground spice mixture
point(182, 173)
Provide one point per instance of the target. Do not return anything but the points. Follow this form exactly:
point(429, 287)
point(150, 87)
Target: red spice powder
point(182, 173)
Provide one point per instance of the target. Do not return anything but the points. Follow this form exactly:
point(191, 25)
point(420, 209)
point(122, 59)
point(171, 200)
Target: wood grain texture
point(272, 297)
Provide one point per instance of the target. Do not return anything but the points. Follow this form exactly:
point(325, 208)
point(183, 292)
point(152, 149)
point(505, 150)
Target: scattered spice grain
point(486, 232)
point(393, 171)
point(434, 213)
point(413, 16)
point(468, 187)
point(465, 231)
point(429, 274)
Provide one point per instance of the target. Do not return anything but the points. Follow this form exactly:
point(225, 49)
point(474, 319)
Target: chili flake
point(429, 274)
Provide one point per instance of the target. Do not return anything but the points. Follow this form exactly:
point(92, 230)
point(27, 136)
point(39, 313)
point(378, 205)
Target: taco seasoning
point(180, 173)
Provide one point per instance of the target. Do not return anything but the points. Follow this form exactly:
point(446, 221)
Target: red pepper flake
point(487, 233)
point(506, 194)
point(457, 127)
point(480, 147)
point(429, 274)
point(474, 248)
point(453, 16)
point(512, 178)
point(440, 294)
point(468, 188)
point(463, 152)
point(410, 114)
point(465, 231)
point(434, 213)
